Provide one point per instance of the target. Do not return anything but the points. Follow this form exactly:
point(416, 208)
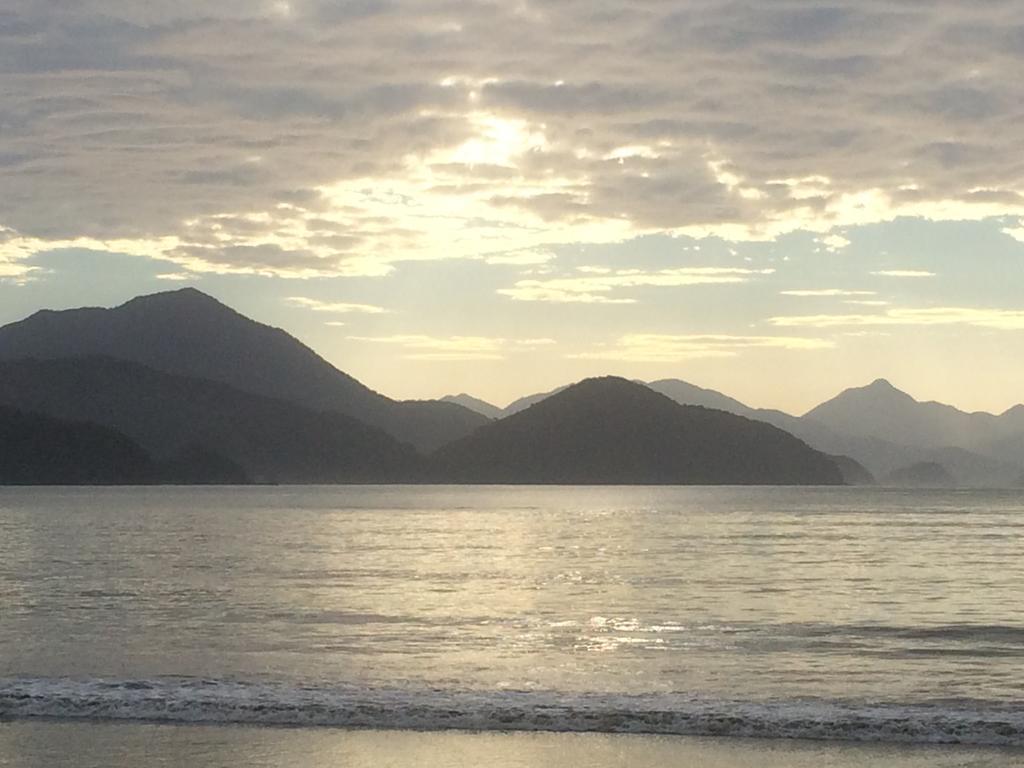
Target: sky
point(777, 199)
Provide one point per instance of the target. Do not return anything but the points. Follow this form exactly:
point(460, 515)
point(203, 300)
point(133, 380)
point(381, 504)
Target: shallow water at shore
point(100, 745)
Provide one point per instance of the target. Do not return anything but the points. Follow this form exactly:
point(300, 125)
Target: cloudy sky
point(775, 199)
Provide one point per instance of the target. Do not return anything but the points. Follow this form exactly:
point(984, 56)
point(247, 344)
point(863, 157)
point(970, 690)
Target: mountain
point(188, 333)
point(995, 464)
point(202, 429)
point(685, 393)
point(853, 472)
point(610, 430)
point(474, 404)
point(39, 450)
point(926, 474)
point(525, 402)
point(881, 411)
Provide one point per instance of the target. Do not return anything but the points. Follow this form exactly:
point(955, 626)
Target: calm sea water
point(809, 613)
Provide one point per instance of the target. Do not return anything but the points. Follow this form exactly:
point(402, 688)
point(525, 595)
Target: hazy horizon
point(777, 203)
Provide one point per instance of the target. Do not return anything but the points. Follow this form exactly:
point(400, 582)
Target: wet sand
point(41, 744)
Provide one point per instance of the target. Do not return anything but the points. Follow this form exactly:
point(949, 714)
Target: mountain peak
point(606, 384)
point(610, 430)
point(188, 333)
point(187, 296)
point(879, 388)
point(474, 404)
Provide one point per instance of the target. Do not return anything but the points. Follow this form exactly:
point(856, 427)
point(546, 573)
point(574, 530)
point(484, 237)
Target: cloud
point(454, 348)
point(14, 270)
point(527, 257)
point(911, 273)
point(662, 348)
point(598, 282)
point(834, 243)
point(826, 292)
point(999, 319)
point(334, 307)
point(378, 131)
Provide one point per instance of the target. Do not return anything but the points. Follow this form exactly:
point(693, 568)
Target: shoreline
point(91, 745)
point(202, 701)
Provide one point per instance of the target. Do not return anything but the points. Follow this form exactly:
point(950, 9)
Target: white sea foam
point(216, 701)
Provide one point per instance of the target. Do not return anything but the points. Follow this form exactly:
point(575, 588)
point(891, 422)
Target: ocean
point(814, 621)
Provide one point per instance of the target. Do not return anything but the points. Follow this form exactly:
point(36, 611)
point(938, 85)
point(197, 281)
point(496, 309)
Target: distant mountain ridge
point(609, 430)
point(491, 411)
point(210, 395)
point(474, 404)
point(974, 457)
point(881, 411)
point(188, 333)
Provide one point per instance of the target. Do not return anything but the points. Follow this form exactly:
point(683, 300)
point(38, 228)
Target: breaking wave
point(197, 701)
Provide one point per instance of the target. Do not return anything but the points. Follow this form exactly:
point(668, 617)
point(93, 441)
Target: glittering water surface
point(895, 613)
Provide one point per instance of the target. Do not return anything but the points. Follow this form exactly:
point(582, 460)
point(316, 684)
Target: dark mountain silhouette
point(188, 333)
point(474, 404)
point(854, 473)
point(205, 431)
point(927, 474)
point(195, 464)
point(39, 450)
point(610, 430)
point(525, 402)
point(494, 412)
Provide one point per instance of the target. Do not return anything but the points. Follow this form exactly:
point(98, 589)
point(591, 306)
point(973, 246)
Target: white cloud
point(334, 307)
point(524, 258)
point(638, 150)
point(539, 342)
point(1000, 319)
point(426, 347)
point(911, 273)
point(826, 292)
point(15, 270)
point(834, 243)
point(664, 348)
point(1017, 233)
point(597, 283)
